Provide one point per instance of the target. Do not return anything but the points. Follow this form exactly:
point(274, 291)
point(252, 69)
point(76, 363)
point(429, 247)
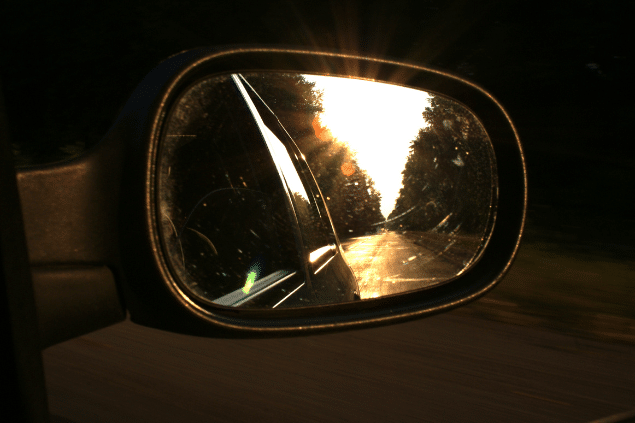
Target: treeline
point(448, 177)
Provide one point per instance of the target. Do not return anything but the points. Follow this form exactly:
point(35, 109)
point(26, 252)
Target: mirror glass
point(288, 190)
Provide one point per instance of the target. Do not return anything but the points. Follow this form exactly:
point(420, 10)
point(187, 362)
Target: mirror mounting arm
point(70, 212)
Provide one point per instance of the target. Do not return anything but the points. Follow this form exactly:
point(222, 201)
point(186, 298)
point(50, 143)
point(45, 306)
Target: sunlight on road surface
point(391, 263)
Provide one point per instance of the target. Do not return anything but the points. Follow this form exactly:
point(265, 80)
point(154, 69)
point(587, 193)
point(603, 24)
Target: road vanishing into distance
point(452, 367)
point(390, 262)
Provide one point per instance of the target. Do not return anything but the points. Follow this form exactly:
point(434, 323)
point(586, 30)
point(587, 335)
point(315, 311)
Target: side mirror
point(265, 191)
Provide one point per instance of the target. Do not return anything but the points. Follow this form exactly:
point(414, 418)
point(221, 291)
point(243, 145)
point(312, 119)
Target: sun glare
point(377, 121)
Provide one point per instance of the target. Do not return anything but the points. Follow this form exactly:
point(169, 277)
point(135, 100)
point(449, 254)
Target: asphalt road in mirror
point(452, 367)
point(390, 262)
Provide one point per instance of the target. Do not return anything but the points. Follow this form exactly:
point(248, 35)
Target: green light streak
point(251, 277)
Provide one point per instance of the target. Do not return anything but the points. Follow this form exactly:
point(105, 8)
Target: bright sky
point(378, 121)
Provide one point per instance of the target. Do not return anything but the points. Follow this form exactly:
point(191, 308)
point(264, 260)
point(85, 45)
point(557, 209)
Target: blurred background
point(561, 69)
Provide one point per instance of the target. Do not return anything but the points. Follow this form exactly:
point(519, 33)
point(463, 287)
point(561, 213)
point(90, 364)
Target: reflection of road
point(390, 263)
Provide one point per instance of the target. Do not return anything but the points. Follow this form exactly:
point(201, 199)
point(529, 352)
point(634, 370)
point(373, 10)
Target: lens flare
point(251, 277)
point(254, 273)
point(322, 132)
point(347, 169)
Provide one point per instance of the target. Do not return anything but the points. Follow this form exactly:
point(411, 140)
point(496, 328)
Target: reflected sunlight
point(377, 121)
point(283, 161)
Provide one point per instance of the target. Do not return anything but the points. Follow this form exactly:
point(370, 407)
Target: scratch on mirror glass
point(396, 217)
point(455, 230)
point(290, 294)
point(442, 223)
point(450, 244)
point(206, 239)
point(175, 235)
